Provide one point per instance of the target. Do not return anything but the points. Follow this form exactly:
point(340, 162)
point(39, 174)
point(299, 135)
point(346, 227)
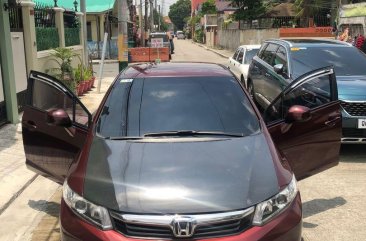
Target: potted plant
point(64, 72)
point(78, 77)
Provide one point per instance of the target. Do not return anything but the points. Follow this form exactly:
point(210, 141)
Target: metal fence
point(285, 22)
point(47, 38)
point(44, 16)
point(15, 17)
point(72, 36)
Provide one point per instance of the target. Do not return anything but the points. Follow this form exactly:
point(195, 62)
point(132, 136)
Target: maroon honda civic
point(180, 151)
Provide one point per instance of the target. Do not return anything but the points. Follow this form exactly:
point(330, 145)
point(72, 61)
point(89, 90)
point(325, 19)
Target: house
point(353, 16)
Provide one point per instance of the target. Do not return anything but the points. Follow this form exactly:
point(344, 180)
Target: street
point(333, 200)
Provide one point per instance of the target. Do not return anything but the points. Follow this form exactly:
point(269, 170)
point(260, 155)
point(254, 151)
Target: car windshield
point(182, 104)
point(163, 36)
point(346, 60)
point(249, 54)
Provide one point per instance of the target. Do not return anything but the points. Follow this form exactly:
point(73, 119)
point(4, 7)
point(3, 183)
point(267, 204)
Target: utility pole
point(146, 17)
point(122, 34)
point(142, 31)
point(152, 16)
point(159, 17)
point(85, 38)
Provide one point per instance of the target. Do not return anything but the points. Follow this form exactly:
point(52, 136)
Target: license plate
point(361, 123)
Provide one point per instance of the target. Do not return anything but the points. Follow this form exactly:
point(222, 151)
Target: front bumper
point(351, 134)
point(286, 226)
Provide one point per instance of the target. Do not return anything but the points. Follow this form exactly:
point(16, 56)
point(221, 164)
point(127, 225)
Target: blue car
point(279, 62)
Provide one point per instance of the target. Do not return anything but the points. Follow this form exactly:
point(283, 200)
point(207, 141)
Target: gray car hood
point(180, 175)
point(351, 88)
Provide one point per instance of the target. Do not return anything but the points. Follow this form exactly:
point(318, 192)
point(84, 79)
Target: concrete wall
point(231, 39)
point(45, 62)
point(210, 38)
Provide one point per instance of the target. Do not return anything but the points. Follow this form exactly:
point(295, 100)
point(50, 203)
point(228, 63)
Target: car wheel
point(251, 89)
point(242, 80)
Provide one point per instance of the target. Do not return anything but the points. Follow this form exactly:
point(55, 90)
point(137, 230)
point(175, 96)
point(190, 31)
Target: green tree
point(179, 11)
point(249, 9)
point(208, 7)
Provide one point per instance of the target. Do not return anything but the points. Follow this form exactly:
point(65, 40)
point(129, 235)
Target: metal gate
point(3, 117)
point(17, 42)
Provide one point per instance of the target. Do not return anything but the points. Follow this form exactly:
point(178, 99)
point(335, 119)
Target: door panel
point(51, 149)
point(313, 145)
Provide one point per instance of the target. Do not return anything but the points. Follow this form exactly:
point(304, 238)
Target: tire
point(251, 89)
point(242, 80)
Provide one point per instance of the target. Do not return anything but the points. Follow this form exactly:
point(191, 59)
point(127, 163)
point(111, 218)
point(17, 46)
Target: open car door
point(305, 123)
point(55, 125)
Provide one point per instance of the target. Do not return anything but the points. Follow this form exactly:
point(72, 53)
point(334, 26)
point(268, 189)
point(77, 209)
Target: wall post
point(8, 74)
point(30, 38)
point(59, 20)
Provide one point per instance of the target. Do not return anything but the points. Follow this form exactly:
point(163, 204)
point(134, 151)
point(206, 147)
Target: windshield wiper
point(193, 133)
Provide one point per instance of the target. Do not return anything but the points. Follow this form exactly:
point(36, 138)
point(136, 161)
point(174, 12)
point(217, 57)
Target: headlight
point(266, 210)
point(95, 214)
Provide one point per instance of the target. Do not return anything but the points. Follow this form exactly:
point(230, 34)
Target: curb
point(212, 50)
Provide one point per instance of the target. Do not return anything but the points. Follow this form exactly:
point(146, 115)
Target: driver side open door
point(312, 144)
point(54, 126)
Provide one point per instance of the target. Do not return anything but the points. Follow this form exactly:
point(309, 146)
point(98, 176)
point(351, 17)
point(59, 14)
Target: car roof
point(250, 46)
point(176, 69)
point(310, 42)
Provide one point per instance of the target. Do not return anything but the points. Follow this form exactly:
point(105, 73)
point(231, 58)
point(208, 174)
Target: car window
point(281, 58)
point(236, 54)
point(346, 60)
point(46, 97)
point(261, 50)
point(269, 53)
point(177, 103)
point(249, 54)
point(240, 56)
point(312, 94)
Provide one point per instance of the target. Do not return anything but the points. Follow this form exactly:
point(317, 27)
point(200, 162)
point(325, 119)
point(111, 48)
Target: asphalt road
point(333, 201)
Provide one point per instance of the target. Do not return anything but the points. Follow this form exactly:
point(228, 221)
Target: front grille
point(353, 132)
point(354, 108)
point(224, 228)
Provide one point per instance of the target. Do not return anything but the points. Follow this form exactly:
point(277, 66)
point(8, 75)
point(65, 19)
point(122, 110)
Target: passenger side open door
point(55, 125)
point(305, 123)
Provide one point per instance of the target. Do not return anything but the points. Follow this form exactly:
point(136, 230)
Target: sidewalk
point(222, 52)
point(25, 197)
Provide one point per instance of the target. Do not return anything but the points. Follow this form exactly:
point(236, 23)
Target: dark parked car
point(167, 42)
point(280, 62)
point(179, 151)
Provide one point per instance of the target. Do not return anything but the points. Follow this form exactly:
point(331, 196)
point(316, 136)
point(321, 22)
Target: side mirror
point(298, 113)
point(59, 117)
point(278, 68)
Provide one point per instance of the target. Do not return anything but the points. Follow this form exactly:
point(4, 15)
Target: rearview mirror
point(58, 117)
point(298, 113)
point(278, 68)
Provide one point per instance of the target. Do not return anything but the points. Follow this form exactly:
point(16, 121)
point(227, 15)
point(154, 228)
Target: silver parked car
point(181, 35)
point(239, 63)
